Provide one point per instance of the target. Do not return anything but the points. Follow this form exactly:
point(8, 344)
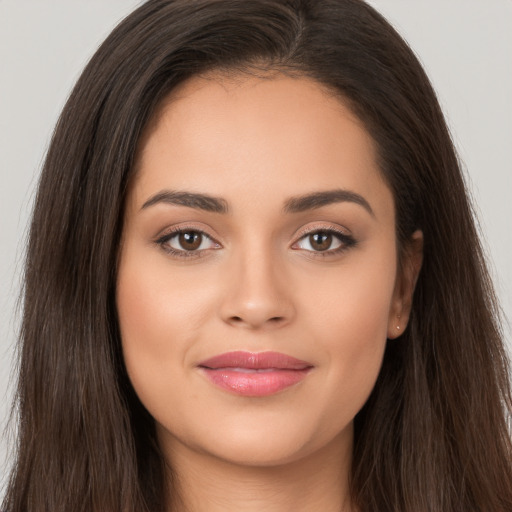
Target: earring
point(398, 327)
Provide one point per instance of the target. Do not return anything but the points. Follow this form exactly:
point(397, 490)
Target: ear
point(406, 278)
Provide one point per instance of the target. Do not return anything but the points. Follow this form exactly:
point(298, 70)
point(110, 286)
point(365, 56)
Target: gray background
point(465, 46)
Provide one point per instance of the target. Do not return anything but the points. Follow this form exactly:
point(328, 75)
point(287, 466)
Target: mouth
point(254, 374)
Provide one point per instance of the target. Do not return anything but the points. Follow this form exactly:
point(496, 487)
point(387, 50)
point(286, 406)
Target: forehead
point(273, 136)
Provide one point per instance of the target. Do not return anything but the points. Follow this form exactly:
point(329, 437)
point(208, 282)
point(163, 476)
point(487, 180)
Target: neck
point(318, 481)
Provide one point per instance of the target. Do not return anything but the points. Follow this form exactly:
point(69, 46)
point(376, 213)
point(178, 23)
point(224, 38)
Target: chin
point(260, 443)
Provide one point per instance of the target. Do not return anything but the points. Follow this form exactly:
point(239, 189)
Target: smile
point(254, 374)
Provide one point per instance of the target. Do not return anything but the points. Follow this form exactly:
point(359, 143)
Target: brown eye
point(187, 242)
point(327, 242)
point(321, 240)
point(190, 240)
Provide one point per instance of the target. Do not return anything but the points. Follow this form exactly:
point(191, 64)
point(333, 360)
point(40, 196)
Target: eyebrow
point(189, 199)
point(296, 204)
point(323, 198)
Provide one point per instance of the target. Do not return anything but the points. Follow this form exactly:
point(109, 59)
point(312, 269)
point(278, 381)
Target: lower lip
point(253, 382)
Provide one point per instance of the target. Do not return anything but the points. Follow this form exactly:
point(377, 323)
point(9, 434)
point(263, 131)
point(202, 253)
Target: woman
point(253, 279)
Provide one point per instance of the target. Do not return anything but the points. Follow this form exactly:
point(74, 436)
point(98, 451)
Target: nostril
point(238, 320)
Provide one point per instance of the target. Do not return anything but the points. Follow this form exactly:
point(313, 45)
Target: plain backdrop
point(465, 46)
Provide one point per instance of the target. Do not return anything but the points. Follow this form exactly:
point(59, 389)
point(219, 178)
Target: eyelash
point(347, 242)
point(173, 232)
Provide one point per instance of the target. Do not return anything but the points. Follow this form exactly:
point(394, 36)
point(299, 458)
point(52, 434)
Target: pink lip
point(254, 374)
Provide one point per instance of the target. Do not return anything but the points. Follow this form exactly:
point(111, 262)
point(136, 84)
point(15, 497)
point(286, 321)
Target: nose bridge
point(257, 291)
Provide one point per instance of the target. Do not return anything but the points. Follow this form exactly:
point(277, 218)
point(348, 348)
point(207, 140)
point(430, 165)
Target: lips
point(254, 374)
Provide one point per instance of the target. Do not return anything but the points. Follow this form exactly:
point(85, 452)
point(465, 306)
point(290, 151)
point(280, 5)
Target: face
point(258, 277)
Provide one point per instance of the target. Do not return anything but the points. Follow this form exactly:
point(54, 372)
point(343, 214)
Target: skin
point(258, 284)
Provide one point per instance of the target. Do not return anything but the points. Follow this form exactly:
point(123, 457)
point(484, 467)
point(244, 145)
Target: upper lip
point(255, 361)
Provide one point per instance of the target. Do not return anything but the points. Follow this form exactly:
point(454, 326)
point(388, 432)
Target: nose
point(257, 295)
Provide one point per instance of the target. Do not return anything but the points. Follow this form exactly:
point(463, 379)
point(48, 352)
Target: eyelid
point(309, 229)
point(169, 233)
point(183, 227)
point(346, 239)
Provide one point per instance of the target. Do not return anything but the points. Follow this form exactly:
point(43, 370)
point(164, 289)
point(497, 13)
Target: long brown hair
point(432, 437)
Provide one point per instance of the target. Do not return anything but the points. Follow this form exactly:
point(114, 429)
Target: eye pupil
point(190, 240)
point(320, 241)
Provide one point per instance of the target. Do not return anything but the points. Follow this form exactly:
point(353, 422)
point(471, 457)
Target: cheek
point(350, 322)
point(354, 301)
point(155, 302)
point(160, 318)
